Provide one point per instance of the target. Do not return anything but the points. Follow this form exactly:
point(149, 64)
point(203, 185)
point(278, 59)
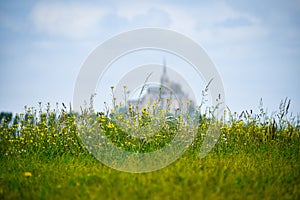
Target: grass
point(257, 157)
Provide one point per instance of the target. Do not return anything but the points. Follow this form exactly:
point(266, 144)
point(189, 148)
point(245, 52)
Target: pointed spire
point(164, 78)
point(165, 67)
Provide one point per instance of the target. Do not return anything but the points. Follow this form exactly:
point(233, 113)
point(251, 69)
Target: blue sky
point(255, 45)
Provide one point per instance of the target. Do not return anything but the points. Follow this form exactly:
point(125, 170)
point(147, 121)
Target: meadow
point(257, 156)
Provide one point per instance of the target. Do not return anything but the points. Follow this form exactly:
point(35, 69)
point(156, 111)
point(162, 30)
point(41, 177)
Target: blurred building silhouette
point(168, 94)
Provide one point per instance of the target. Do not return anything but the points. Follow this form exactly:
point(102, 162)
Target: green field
point(257, 156)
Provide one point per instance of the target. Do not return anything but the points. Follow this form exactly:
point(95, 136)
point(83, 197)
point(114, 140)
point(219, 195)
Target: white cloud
point(182, 21)
point(70, 20)
point(153, 17)
point(130, 11)
point(203, 22)
point(175, 17)
point(220, 23)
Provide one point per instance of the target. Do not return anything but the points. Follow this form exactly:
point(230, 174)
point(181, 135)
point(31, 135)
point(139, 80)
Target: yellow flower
point(144, 110)
point(27, 174)
point(240, 123)
point(110, 125)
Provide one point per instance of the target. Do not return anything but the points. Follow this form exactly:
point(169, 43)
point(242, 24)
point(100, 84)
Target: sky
point(255, 45)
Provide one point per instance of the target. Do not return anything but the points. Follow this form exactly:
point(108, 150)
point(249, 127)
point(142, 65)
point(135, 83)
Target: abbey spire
point(164, 77)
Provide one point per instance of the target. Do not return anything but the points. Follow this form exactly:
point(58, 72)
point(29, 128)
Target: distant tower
point(164, 77)
point(164, 82)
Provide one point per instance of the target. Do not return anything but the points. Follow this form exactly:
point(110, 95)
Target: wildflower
point(157, 135)
point(110, 125)
point(240, 123)
point(27, 174)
